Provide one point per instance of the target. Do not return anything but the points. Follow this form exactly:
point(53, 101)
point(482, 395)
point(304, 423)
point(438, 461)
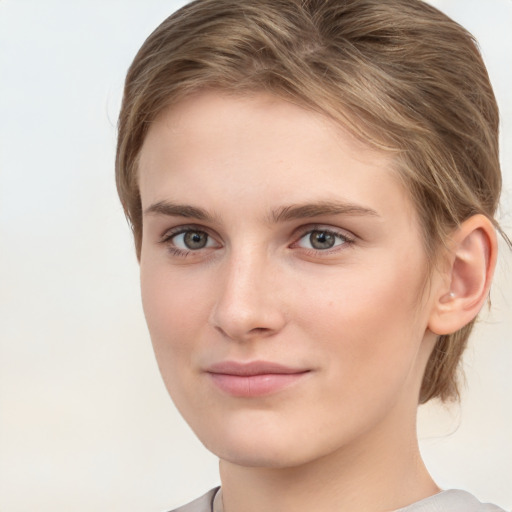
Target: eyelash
point(168, 236)
point(346, 240)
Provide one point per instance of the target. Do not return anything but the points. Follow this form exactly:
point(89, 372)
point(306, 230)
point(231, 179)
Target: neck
point(379, 472)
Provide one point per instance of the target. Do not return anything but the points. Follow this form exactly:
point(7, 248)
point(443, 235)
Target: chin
point(264, 448)
point(258, 456)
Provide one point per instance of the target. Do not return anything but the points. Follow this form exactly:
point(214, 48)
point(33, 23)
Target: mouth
point(253, 379)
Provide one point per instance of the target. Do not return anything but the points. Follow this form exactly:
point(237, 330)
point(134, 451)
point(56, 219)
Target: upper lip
point(252, 368)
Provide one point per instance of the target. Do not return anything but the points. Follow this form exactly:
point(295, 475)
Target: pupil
point(322, 240)
point(195, 239)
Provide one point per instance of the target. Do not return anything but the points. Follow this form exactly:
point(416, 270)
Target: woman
point(312, 188)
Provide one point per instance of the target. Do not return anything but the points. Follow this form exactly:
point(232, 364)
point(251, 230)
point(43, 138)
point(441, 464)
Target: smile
point(253, 379)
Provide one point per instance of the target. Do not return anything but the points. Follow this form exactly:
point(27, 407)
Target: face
point(282, 274)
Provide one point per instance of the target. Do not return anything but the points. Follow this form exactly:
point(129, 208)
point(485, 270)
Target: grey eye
point(192, 240)
point(322, 239)
point(195, 239)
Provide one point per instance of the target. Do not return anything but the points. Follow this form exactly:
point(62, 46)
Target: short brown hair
point(398, 74)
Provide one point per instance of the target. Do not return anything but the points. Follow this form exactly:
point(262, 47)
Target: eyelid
point(304, 230)
point(183, 228)
point(348, 237)
point(167, 236)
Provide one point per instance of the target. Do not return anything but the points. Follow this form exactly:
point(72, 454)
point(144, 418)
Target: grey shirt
point(445, 501)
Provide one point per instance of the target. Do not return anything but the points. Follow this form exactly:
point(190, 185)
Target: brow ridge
point(301, 211)
point(178, 210)
point(282, 214)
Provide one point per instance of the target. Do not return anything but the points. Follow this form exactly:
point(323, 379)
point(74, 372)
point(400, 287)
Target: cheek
point(174, 315)
point(173, 311)
point(368, 322)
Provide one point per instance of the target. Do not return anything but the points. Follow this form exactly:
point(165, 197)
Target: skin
point(355, 316)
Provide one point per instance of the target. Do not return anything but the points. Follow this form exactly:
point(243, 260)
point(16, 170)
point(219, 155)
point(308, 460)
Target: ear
point(466, 277)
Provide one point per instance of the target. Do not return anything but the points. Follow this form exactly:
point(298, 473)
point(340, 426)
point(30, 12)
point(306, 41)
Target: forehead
point(205, 111)
point(218, 146)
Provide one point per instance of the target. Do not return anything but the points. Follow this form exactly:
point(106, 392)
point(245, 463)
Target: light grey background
point(85, 423)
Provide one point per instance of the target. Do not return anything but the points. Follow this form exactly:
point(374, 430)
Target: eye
point(322, 239)
point(191, 240)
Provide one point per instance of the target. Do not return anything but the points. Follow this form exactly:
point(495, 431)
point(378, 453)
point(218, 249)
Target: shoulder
point(451, 501)
point(202, 504)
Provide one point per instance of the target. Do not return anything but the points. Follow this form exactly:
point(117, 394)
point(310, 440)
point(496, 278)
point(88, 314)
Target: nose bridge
point(246, 304)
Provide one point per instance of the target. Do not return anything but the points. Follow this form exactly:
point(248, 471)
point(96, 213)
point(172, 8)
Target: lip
point(253, 379)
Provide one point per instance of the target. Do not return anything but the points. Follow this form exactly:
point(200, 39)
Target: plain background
point(85, 422)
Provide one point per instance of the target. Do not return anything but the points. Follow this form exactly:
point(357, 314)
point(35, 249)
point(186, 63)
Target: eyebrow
point(178, 210)
point(282, 214)
point(303, 211)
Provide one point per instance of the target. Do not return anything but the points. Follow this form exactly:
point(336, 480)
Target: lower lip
point(255, 385)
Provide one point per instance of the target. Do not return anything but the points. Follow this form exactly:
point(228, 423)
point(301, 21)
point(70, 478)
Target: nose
point(248, 305)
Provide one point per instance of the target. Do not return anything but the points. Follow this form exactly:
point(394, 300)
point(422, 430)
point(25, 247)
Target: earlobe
point(466, 280)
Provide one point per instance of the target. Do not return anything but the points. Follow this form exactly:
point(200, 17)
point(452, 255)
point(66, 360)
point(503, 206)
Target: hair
point(398, 74)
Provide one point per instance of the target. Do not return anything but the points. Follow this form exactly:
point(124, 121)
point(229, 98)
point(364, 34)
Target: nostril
point(260, 330)
point(236, 334)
